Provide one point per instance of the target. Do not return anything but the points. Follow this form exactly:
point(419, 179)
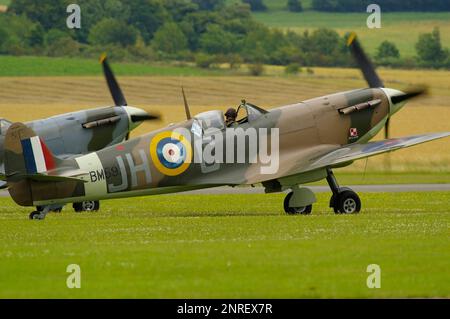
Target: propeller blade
point(386, 129)
point(142, 118)
point(409, 94)
point(186, 105)
point(114, 88)
point(366, 66)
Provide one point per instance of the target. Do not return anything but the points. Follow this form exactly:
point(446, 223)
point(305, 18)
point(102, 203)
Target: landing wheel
point(34, 215)
point(305, 210)
point(346, 202)
point(86, 206)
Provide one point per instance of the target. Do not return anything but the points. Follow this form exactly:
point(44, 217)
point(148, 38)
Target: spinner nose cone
point(137, 116)
point(395, 100)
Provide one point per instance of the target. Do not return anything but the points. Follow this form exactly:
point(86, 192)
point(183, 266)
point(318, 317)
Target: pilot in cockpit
point(230, 117)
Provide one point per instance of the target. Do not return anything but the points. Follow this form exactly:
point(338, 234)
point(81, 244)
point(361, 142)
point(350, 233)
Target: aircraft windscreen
point(4, 126)
point(211, 119)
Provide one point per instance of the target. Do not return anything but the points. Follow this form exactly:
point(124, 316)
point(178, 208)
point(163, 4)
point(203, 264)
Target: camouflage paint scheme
point(65, 135)
point(312, 136)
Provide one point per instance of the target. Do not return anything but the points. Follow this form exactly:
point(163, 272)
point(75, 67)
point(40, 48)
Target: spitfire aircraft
point(308, 140)
point(82, 132)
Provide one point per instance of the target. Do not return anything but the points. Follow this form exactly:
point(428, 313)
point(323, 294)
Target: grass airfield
point(229, 246)
point(237, 246)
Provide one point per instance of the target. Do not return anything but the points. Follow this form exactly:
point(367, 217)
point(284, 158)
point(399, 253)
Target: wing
point(352, 152)
point(313, 158)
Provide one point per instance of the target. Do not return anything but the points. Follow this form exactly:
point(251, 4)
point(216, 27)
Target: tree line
point(207, 32)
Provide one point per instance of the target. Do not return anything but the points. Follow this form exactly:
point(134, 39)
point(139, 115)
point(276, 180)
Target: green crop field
point(240, 246)
point(46, 66)
point(402, 28)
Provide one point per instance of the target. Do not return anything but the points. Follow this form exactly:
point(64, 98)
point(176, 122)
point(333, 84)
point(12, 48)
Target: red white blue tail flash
point(38, 158)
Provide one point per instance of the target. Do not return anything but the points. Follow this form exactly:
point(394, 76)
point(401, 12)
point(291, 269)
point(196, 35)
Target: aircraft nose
point(394, 105)
point(137, 116)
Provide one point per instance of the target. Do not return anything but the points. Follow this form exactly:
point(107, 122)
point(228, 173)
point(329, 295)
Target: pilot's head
point(231, 114)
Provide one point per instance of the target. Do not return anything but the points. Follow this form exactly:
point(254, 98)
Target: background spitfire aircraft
point(86, 131)
point(315, 136)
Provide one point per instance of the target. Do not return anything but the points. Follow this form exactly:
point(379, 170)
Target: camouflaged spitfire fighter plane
point(86, 131)
point(313, 137)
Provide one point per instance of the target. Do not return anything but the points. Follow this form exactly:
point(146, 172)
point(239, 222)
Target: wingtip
point(351, 38)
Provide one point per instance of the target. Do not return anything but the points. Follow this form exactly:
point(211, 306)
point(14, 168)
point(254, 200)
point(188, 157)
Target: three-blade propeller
point(372, 78)
point(118, 96)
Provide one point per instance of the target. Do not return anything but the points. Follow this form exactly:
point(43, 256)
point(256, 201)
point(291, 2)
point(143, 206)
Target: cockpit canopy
point(249, 113)
point(215, 119)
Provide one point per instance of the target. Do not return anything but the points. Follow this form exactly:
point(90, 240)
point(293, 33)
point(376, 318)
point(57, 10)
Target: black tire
point(86, 206)
point(33, 215)
point(334, 204)
point(348, 202)
point(306, 210)
point(77, 207)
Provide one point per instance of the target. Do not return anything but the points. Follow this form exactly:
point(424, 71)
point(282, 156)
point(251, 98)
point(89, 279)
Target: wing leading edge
point(352, 152)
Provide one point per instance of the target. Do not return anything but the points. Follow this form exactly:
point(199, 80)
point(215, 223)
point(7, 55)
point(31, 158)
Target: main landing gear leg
point(344, 199)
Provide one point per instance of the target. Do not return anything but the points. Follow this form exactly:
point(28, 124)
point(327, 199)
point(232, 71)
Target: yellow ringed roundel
point(171, 153)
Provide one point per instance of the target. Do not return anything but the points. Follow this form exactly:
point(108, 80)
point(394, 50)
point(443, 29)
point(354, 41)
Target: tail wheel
point(305, 210)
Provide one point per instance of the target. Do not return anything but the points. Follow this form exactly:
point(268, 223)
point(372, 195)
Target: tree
point(293, 68)
point(49, 13)
point(178, 9)
point(54, 35)
point(169, 39)
point(294, 5)
point(325, 41)
point(256, 69)
point(19, 34)
point(209, 5)
point(256, 5)
point(93, 11)
point(37, 34)
point(217, 41)
point(387, 50)
point(147, 16)
point(3, 38)
point(111, 31)
point(203, 60)
point(429, 49)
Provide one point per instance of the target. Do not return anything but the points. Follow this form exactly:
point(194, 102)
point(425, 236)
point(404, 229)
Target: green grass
point(46, 66)
point(380, 178)
point(402, 28)
point(243, 246)
point(5, 2)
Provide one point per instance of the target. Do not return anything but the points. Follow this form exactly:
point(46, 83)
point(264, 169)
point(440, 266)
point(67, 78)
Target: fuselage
point(145, 165)
point(80, 132)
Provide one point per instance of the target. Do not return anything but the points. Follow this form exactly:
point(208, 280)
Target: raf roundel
point(171, 153)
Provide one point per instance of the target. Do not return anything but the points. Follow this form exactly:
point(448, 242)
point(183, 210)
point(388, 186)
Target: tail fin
point(25, 153)
point(38, 158)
